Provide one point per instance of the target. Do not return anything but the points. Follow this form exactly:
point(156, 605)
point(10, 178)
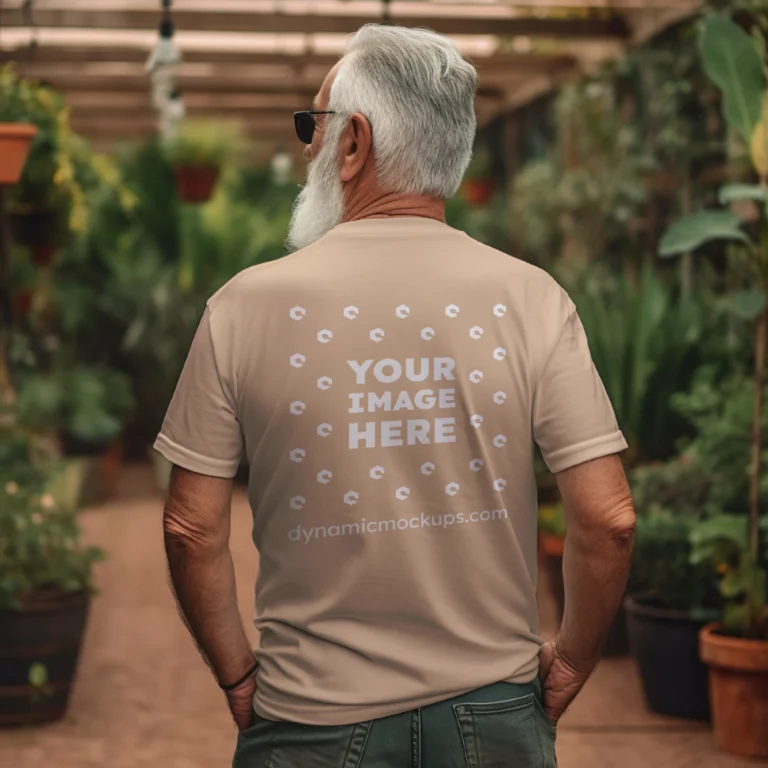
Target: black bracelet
point(232, 686)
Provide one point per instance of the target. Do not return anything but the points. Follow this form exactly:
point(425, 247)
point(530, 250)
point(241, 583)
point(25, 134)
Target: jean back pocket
point(506, 734)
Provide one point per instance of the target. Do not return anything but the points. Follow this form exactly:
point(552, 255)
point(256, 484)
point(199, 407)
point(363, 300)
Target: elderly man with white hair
point(386, 384)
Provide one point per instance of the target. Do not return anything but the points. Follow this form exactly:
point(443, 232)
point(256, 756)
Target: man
point(386, 383)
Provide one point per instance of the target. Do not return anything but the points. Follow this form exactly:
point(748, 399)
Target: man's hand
point(241, 703)
point(561, 681)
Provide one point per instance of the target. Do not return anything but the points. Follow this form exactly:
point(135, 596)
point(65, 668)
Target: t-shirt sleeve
point(573, 419)
point(201, 431)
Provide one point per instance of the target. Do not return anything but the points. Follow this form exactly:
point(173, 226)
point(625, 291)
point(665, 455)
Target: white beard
point(320, 204)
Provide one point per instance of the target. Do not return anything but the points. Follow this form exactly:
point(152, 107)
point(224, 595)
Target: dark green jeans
point(498, 726)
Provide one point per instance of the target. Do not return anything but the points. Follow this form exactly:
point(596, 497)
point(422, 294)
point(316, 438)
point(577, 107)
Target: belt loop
point(416, 738)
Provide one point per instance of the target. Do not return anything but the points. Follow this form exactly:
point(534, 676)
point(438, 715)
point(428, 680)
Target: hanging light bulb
point(282, 167)
point(164, 62)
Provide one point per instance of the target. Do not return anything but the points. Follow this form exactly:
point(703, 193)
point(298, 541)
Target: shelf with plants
point(48, 396)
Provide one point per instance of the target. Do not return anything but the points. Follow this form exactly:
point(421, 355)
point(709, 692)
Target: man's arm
point(196, 525)
point(600, 534)
point(600, 537)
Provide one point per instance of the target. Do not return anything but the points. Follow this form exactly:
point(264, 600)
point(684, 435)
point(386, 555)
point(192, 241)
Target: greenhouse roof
point(258, 60)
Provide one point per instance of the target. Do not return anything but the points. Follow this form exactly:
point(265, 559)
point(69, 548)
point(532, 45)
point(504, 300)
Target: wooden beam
point(605, 26)
point(135, 125)
point(96, 101)
point(71, 82)
point(246, 104)
point(46, 54)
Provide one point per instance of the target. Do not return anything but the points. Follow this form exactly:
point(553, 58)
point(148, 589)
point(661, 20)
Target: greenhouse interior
point(149, 155)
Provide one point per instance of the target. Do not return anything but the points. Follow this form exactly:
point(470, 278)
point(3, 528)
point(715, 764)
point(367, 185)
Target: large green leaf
point(732, 193)
point(747, 304)
point(730, 529)
point(691, 232)
point(732, 62)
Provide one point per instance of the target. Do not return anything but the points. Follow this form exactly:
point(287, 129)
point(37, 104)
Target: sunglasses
point(305, 124)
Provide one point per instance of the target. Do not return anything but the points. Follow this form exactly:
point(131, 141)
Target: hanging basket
point(195, 184)
point(15, 139)
point(478, 192)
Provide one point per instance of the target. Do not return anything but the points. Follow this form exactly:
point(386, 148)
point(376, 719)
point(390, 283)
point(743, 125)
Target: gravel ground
point(144, 698)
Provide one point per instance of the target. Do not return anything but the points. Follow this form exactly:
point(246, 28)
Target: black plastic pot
point(665, 644)
point(46, 635)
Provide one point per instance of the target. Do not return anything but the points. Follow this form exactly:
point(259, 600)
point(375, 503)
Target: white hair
point(418, 94)
point(320, 204)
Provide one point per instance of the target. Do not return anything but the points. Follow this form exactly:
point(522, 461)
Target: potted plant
point(668, 604)
point(42, 200)
point(46, 585)
point(88, 407)
point(736, 649)
point(198, 153)
point(479, 185)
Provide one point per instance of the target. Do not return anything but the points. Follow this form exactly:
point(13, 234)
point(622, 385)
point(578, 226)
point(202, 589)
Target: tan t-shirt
point(386, 386)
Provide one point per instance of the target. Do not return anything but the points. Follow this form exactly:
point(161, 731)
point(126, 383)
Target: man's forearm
point(595, 570)
point(203, 579)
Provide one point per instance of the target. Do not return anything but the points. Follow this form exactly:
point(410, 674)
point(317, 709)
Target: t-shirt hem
point(605, 445)
point(194, 462)
point(323, 714)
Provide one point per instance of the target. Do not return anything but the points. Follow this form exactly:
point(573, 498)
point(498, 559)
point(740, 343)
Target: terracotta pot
point(551, 546)
point(738, 689)
point(15, 139)
point(109, 464)
point(195, 184)
point(478, 192)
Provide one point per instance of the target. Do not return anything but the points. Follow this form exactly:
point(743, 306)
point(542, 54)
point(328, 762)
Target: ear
point(356, 146)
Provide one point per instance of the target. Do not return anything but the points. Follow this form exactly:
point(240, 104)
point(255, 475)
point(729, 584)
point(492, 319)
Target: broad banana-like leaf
point(733, 193)
point(733, 63)
point(748, 304)
point(691, 232)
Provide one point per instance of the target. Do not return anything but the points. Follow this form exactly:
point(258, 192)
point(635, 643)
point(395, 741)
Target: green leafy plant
point(734, 61)
point(40, 544)
point(205, 143)
point(86, 405)
point(646, 341)
point(661, 564)
point(579, 200)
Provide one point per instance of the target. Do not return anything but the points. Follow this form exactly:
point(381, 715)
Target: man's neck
point(391, 205)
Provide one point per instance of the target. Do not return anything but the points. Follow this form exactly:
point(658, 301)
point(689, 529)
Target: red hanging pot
point(195, 184)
